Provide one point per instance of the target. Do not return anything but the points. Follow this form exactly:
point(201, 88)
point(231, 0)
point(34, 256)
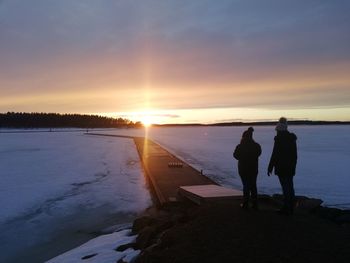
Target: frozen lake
point(323, 157)
point(58, 188)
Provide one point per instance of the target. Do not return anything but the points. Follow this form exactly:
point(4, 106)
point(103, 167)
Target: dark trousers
point(249, 187)
point(288, 192)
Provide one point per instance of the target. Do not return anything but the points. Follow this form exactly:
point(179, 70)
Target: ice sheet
point(53, 184)
point(323, 157)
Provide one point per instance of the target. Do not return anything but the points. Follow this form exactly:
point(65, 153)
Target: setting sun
point(146, 117)
point(147, 121)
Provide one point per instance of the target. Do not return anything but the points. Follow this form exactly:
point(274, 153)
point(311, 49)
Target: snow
point(101, 249)
point(66, 184)
point(57, 189)
point(323, 157)
point(66, 169)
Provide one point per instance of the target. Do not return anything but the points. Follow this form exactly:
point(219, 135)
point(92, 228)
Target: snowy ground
point(64, 186)
point(101, 250)
point(323, 161)
point(67, 185)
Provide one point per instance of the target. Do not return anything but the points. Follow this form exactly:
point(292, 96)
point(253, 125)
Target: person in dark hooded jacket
point(283, 161)
point(247, 153)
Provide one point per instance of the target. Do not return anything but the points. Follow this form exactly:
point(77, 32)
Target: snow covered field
point(64, 186)
point(67, 185)
point(323, 157)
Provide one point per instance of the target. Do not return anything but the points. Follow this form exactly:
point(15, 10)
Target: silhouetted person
point(247, 153)
point(283, 161)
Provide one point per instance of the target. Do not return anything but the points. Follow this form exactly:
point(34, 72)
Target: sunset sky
point(177, 61)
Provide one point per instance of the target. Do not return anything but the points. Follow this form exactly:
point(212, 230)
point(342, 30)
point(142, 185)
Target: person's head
point(248, 134)
point(282, 125)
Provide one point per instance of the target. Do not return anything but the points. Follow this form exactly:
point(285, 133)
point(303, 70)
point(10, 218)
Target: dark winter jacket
point(247, 153)
point(284, 154)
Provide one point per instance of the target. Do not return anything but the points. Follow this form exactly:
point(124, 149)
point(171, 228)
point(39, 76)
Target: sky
point(177, 61)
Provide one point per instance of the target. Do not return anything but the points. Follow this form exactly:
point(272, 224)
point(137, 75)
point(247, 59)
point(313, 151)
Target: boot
point(245, 205)
point(255, 204)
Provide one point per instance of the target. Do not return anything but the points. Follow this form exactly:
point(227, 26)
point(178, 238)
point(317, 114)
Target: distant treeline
point(55, 120)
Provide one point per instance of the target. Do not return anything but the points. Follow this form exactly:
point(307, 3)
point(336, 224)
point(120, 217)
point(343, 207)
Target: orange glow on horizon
point(146, 121)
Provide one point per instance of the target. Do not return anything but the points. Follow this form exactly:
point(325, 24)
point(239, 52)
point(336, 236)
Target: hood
point(286, 135)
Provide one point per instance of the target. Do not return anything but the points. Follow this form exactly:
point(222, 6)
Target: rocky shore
point(223, 232)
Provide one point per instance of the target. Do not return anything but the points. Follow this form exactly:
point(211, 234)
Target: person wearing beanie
point(283, 161)
point(247, 153)
point(282, 124)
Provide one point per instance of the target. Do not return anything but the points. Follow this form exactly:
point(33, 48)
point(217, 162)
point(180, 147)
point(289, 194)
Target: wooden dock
point(206, 193)
point(171, 176)
point(167, 172)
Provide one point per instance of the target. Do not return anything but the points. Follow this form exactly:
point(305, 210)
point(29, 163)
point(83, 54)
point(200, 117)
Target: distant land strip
point(19, 120)
point(258, 123)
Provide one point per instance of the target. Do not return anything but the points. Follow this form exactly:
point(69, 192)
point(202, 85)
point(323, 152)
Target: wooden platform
point(204, 193)
point(167, 172)
point(169, 175)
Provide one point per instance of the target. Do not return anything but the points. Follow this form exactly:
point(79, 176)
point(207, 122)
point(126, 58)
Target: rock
point(301, 202)
point(277, 198)
point(328, 213)
point(180, 218)
point(264, 197)
point(130, 257)
point(141, 223)
point(343, 219)
point(115, 228)
point(149, 233)
point(125, 247)
point(164, 224)
point(346, 226)
point(166, 239)
point(308, 203)
point(153, 248)
point(150, 255)
point(145, 237)
point(89, 256)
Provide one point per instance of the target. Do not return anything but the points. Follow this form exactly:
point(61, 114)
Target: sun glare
point(146, 117)
point(147, 121)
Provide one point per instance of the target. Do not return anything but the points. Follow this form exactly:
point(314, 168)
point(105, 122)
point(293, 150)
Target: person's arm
point(295, 153)
point(259, 150)
point(272, 159)
point(236, 153)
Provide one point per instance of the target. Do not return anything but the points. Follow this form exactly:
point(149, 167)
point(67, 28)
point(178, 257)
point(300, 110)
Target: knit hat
point(282, 124)
point(248, 134)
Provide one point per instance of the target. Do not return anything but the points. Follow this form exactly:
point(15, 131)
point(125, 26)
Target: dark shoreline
point(177, 232)
point(222, 232)
point(164, 232)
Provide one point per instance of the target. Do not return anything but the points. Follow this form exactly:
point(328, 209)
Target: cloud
point(114, 55)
